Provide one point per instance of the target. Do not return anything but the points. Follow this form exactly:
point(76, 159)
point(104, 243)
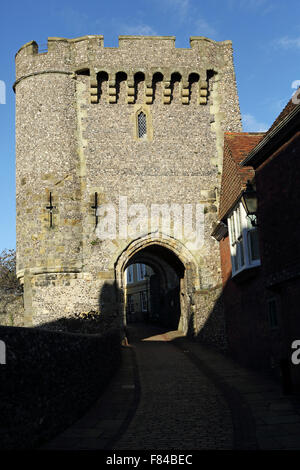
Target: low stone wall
point(49, 380)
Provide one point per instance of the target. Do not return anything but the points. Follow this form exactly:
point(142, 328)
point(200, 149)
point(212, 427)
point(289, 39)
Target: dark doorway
point(153, 283)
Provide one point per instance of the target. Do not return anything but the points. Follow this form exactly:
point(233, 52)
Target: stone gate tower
point(141, 123)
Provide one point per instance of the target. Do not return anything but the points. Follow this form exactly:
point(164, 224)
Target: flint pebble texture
point(77, 134)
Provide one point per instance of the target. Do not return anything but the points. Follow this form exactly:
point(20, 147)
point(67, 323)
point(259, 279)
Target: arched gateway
point(171, 262)
point(135, 128)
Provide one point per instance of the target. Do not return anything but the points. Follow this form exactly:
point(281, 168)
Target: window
point(130, 304)
point(243, 239)
point(142, 125)
point(129, 274)
point(143, 295)
point(141, 272)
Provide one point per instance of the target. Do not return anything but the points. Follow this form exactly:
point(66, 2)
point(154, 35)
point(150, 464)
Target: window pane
point(144, 301)
point(129, 272)
point(142, 125)
point(234, 261)
point(238, 221)
point(253, 244)
point(241, 253)
point(232, 227)
point(130, 304)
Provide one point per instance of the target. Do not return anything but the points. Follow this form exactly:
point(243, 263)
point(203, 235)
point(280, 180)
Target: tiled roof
point(234, 177)
point(276, 127)
point(288, 108)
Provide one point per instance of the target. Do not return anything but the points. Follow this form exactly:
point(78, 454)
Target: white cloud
point(288, 43)
point(250, 124)
point(139, 30)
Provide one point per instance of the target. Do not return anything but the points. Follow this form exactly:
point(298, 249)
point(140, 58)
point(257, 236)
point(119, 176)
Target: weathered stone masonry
point(76, 134)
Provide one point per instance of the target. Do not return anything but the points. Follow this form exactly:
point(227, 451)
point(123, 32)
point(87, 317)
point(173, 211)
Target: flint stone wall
point(49, 380)
point(77, 135)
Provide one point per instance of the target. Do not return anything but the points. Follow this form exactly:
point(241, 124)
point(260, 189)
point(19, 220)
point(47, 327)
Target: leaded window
point(143, 295)
point(142, 125)
point(129, 274)
point(141, 271)
point(130, 304)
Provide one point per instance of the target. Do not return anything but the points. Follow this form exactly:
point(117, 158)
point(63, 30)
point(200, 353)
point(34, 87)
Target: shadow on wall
point(96, 321)
point(52, 377)
point(169, 315)
point(239, 325)
point(212, 331)
point(110, 298)
point(54, 372)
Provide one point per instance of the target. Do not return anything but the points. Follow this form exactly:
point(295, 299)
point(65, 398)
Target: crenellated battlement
point(32, 48)
point(125, 42)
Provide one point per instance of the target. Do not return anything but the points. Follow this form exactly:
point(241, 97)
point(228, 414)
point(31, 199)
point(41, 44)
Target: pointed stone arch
point(189, 281)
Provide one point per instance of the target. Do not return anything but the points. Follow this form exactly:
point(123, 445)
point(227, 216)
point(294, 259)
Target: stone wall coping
point(59, 39)
point(33, 47)
point(204, 38)
point(168, 38)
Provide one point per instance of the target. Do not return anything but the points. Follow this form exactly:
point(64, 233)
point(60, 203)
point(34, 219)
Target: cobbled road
point(179, 407)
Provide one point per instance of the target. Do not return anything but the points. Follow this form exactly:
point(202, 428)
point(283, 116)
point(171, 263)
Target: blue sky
point(265, 35)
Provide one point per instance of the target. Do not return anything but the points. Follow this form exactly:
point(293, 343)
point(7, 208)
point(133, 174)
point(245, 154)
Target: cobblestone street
point(179, 408)
point(172, 393)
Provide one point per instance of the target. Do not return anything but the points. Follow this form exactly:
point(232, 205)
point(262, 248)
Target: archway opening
point(154, 287)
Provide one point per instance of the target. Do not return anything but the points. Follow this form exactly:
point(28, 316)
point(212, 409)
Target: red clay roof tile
point(234, 178)
point(286, 110)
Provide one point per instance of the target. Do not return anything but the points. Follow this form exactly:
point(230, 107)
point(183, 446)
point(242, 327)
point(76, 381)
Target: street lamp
point(249, 201)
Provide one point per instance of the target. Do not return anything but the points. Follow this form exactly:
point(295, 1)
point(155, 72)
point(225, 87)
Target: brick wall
point(246, 316)
point(278, 214)
point(251, 338)
point(278, 210)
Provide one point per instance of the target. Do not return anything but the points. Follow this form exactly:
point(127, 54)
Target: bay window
point(243, 237)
